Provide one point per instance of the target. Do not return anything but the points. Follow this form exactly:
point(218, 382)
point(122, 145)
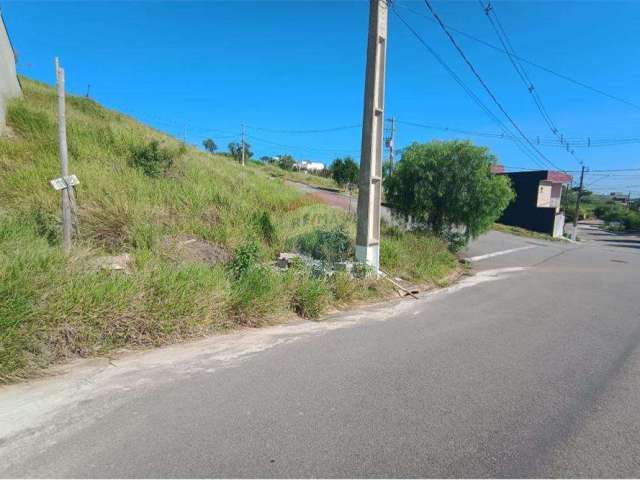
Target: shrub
point(344, 287)
point(331, 245)
point(244, 259)
point(256, 294)
point(311, 297)
point(266, 227)
point(152, 159)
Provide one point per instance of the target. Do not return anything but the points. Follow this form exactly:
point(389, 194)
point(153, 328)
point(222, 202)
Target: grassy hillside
point(53, 307)
point(301, 177)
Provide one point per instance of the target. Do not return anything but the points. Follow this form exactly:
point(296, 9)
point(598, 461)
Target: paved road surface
point(529, 368)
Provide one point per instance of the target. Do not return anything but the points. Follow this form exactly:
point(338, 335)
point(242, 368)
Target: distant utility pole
point(578, 197)
point(242, 142)
point(88, 90)
point(370, 184)
point(391, 139)
point(66, 184)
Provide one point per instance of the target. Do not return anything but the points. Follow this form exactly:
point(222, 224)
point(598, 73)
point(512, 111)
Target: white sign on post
point(64, 182)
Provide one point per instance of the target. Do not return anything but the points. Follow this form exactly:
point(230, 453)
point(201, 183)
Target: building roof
point(549, 175)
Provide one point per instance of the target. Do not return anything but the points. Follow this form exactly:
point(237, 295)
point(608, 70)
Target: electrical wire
point(528, 62)
point(485, 86)
point(546, 142)
point(318, 130)
point(521, 146)
point(522, 73)
point(298, 147)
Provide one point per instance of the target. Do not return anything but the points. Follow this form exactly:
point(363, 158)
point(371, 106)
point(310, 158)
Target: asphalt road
point(529, 368)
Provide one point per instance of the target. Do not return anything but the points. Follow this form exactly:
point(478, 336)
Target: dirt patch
point(194, 250)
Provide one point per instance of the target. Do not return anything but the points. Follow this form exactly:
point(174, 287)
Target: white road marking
point(497, 254)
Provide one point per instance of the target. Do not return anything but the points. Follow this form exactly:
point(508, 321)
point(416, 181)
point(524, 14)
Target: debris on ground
point(112, 262)
point(192, 250)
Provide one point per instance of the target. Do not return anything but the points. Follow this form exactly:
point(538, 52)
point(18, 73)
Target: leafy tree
point(209, 145)
point(345, 171)
point(286, 162)
point(615, 212)
point(235, 150)
point(448, 188)
point(387, 168)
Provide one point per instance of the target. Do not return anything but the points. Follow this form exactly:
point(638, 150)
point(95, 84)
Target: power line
point(530, 62)
point(522, 73)
point(304, 148)
point(485, 86)
point(547, 142)
point(615, 170)
point(318, 130)
point(466, 89)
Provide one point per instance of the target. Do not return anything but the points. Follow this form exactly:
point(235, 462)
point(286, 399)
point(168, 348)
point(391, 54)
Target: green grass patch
point(523, 232)
point(54, 307)
point(300, 177)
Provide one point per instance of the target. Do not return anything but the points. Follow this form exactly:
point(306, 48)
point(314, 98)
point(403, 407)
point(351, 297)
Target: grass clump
point(152, 159)
point(418, 256)
point(311, 297)
point(523, 232)
point(329, 245)
point(54, 307)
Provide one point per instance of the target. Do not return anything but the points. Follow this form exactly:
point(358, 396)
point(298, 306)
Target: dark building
point(537, 205)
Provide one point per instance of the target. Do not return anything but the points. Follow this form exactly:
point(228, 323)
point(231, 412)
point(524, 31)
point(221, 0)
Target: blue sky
point(206, 67)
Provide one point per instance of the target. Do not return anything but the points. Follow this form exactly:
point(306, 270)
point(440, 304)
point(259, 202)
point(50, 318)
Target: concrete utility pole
point(390, 141)
point(242, 141)
point(578, 197)
point(370, 184)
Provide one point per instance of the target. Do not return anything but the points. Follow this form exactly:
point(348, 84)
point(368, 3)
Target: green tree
point(286, 162)
point(448, 188)
point(235, 150)
point(345, 171)
point(209, 145)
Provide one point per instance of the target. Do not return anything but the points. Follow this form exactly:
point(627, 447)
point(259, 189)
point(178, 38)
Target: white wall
point(9, 86)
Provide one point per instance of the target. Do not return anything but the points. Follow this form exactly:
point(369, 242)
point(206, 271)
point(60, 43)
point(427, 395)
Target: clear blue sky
point(210, 66)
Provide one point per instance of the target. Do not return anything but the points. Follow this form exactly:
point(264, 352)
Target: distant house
point(312, 167)
point(537, 203)
point(9, 84)
point(620, 197)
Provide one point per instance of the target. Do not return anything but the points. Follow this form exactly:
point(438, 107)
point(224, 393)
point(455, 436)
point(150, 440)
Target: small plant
point(266, 227)
point(244, 259)
point(256, 294)
point(311, 297)
point(344, 287)
point(327, 245)
point(47, 226)
point(456, 240)
point(152, 159)
point(362, 270)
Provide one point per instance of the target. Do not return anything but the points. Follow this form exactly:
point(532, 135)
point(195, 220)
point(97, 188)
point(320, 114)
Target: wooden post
point(67, 193)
